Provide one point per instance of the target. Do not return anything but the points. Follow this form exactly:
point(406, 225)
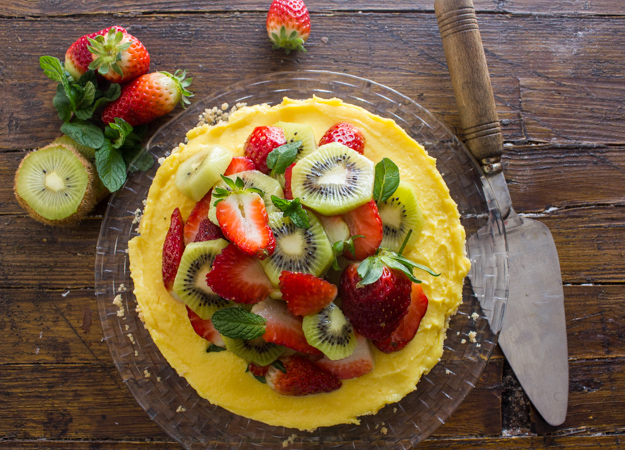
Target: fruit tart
point(299, 263)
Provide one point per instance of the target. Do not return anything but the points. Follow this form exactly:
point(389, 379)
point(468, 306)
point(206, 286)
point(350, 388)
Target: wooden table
point(558, 72)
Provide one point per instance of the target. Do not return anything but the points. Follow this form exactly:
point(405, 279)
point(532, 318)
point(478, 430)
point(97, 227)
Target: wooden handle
point(457, 23)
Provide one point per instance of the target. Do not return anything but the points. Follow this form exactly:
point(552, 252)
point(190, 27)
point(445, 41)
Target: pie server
point(533, 332)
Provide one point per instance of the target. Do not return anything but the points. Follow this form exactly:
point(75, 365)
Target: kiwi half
point(400, 214)
point(333, 180)
point(304, 250)
point(255, 179)
point(190, 283)
point(199, 173)
point(331, 332)
point(256, 350)
point(55, 185)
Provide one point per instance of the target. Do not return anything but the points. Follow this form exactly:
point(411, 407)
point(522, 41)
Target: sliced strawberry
point(261, 142)
point(173, 248)
point(302, 377)
point(198, 228)
point(282, 327)
point(288, 193)
point(375, 309)
point(238, 277)
point(409, 325)
point(243, 220)
point(205, 328)
point(357, 364)
point(304, 293)
point(365, 221)
point(240, 164)
point(346, 134)
point(259, 371)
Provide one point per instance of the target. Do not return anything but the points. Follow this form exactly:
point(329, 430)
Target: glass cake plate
point(193, 421)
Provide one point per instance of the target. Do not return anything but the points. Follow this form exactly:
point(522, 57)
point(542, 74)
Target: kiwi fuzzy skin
point(88, 200)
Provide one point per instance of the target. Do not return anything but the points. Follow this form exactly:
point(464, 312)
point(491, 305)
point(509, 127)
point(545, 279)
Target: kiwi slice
point(199, 173)
point(256, 350)
point(304, 250)
point(85, 151)
point(190, 283)
point(255, 179)
point(331, 332)
point(333, 180)
point(400, 214)
point(55, 185)
point(299, 132)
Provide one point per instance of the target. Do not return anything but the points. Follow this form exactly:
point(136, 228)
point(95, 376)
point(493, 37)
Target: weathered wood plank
point(612, 442)
point(91, 402)
point(570, 7)
point(596, 399)
point(45, 327)
point(589, 110)
point(27, 130)
point(559, 176)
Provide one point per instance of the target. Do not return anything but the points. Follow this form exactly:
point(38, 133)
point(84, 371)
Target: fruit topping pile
point(104, 98)
point(292, 256)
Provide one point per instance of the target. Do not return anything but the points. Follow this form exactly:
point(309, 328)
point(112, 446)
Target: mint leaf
point(117, 131)
point(138, 160)
point(54, 70)
point(282, 157)
point(61, 103)
point(214, 349)
point(386, 180)
point(84, 133)
point(293, 210)
point(87, 95)
point(111, 166)
point(237, 323)
point(88, 77)
point(259, 378)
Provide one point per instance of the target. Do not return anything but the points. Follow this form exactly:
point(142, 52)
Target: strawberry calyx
point(339, 248)
point(371, 269)
point(182, 83)
point(236, 187)
point(108, 51)
point(290, 42)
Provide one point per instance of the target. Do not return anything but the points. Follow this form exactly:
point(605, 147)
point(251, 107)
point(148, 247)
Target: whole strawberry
point(78, 57)
point(346, 134)
point(302, 377)
point(288, 25)
point(375, 309)
point(261, 142)
point(148, 97)
point(118, 56)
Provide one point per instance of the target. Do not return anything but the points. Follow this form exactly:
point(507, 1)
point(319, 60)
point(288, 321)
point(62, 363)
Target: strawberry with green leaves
point(78, 57)
point(149, 97)
point(262, 141)
point(117, 55)
point(243, 218)
point(288, 25)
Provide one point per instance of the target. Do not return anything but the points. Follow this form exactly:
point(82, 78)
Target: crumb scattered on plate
point(117, 301)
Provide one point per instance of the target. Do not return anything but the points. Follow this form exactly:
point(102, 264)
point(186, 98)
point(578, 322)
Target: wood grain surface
point(558, 73)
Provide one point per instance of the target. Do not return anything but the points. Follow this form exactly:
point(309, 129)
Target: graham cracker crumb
point(478, 345)
point(139, 313)
point(213, 116)
point(161, 160)
point(384, 430)
point(158, 379)
point(181, 409)
point(475, 316)
point(447, 371)
point(472, 335)
point(131, 337)
point(121, 288)
point(127, 327)
point(136, 353)
point(117, 301)
point(146, 373)
point(289, 441)
point(464, 341)
point(394, 410)
point(137, 216)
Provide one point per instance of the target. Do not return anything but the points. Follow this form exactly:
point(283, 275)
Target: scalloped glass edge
point(471, 338)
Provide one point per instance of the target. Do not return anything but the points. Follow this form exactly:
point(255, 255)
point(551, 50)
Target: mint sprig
point(386, 180)
point(293, 210)
point(237, 323)
point(280, 158)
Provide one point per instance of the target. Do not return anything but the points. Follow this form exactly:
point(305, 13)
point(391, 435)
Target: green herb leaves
point(76, 101)
point(282, 157)
point(386, 180)
point(293, 210)
point(237, 323)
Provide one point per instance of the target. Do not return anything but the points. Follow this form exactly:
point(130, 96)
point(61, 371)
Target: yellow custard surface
point(220, 377)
